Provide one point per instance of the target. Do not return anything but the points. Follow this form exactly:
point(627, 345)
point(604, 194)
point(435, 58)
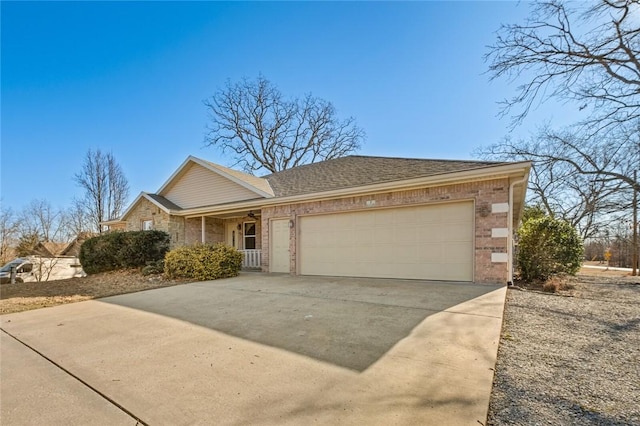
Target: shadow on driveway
point(348, 322)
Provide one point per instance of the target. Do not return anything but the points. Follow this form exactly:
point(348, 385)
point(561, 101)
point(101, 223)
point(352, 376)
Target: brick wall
point(213, 230)
point(162, 221)
point(484, 193)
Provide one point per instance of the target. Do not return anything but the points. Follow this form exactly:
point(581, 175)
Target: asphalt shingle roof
point(164, 202)
point(357, 170)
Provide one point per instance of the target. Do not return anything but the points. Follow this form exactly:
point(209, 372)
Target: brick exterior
point(162, 221)
point(213, 230)
point(484, 193)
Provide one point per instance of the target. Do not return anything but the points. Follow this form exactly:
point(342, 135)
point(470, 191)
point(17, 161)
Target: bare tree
point(76, 219)
point(587, 52)
point(267, 132)
point(106, 187)
point(587, 55)
point(9, 233)
point(43, 267)
point(41, 219)
point(566, 184)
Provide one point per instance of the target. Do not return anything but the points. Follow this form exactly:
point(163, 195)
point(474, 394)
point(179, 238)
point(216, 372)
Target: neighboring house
point(51, 261)
point(55, 249)
point(352, 216)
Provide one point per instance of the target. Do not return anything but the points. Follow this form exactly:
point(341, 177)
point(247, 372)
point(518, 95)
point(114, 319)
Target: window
point(249, 235)
point(27, 267)
point(147, 225)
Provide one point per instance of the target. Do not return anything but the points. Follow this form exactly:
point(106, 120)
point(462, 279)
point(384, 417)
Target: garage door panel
point(456, 252)
point(424, 242)
point(383, 217)
point(429, 233)
point(428, 216)
point(383, 236)
point(406, 254)
point(406, 234)
point(453, 213)
point(455, 232)
point(406, 215)
point(430, 252)
point(458, 272)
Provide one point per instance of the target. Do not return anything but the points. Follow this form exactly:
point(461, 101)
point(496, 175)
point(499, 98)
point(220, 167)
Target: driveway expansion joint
point(101, 394)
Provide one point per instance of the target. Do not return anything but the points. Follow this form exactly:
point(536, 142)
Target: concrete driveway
point(258, 349)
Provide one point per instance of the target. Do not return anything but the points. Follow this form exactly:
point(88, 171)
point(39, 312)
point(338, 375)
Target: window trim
point(142, 223)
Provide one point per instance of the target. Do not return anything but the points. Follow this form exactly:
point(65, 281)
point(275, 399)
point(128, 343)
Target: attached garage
point(433, 242)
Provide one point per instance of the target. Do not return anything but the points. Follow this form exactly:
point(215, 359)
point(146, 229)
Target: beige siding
point(201, 187)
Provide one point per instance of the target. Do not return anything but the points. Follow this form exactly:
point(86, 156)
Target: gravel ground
point(571, 358)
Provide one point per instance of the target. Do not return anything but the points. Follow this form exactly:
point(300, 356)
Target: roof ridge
point(354, 156)
point(422, 159)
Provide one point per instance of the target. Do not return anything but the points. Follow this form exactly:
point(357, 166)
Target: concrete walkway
point(185, 355)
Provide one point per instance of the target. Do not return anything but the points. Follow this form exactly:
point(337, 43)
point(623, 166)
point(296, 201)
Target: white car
point(24, 269)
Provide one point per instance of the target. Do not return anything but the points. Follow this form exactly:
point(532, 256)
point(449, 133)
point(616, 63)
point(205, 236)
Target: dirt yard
point(570, 358)
point(27, 296)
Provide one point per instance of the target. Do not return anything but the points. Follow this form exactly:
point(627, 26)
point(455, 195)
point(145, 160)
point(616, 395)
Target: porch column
point(202, 227)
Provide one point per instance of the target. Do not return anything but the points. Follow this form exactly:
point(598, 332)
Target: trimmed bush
point(122, 250)
point(548, 247)
point(203, 262)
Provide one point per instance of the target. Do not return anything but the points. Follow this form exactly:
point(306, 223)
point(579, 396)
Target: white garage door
point(427, 242)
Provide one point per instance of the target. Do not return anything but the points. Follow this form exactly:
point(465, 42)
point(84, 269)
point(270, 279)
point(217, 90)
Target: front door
point(233, 235)
point(279, 253)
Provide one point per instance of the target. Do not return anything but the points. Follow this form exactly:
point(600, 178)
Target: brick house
point(353, 216)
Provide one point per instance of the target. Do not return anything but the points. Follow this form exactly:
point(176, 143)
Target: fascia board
point(142, 195)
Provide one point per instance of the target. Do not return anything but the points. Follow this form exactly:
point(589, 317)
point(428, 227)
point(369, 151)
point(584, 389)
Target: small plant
point(203, 262)
point(558, 283)
point(154, 267)
point(551, 286)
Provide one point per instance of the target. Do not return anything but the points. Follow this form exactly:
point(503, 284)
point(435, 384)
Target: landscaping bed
point(573, 357)
point(34, 295)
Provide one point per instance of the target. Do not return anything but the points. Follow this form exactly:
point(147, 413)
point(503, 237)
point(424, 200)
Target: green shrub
point(121, 250)
point(203, 262)
point(548, 247)
point(154, 268)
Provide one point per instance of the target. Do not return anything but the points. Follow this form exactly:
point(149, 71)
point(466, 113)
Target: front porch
point(252, 259)
point(241, 230)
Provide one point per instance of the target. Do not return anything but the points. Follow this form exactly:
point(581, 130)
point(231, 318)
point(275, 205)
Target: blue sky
point(130, 78)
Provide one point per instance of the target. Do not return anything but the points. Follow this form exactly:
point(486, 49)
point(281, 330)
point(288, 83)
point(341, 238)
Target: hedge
point(122, 250)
